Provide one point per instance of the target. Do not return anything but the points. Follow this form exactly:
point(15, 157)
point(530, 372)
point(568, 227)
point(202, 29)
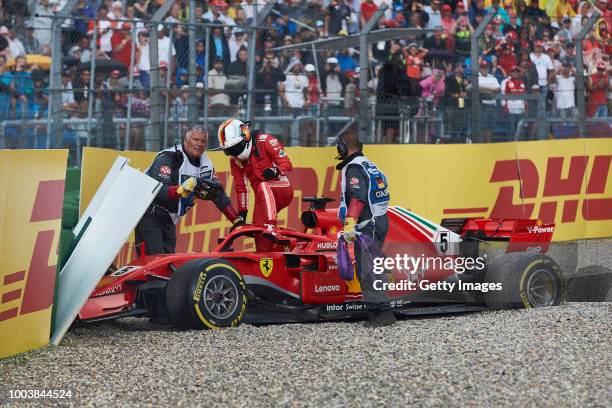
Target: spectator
point(284, 26)
point(415, 58)
point(14, 44)
point(500, 13)
point(529, 73)
point(40, 98)
point(236, 42)
point(121, 42)
point(455, 102)
point(514, 108)
point(514, 26)
point(130, 14)
point(437, 41)
point(338, 17)
point(554, 53)
point(489, 87)
point(105, 29)
point(267, 79)
point(506, 54)
point(346, 62)
point(30, 43)
point(463, 37)
point(448, 23)
point(181, 45)
point(68, 101)
point(392, 87)
point(598, 86)
point(41, 24)
point(165, 49)
point(82, 13)
point(219, 47)
point(487, 43)
point(143, 58)
point(293, 90)
point(124, 82)
point(314, 91)
point(368, 8)
point(239, 66)
point(116, 10)
point(307, 136)
point(351, 91)
point(433, 88)
point(81, 83)
point(180, 108)
point(215, 14)
point(23, 85)
point(241, 18)
point(543, 64)
point(564, 87)
point(569, 54)
point(565, 33)
point(219, 100)
point(434, 14)
point(333, 83)
point(6, 90)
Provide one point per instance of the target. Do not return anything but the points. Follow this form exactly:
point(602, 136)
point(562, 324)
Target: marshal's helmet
point(235, 139)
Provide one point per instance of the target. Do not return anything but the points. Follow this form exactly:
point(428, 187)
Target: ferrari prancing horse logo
point(266, 264)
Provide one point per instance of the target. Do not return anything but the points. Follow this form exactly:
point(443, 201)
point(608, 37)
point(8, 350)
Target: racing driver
point(180, 169)
point(261, 158)
point(364, 199)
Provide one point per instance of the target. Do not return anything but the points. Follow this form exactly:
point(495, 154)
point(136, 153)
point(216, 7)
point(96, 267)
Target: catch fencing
point(104, 87)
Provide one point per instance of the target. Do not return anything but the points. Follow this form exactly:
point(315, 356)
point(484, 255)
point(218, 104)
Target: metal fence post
point(130, 88)
point(168, 82)
point(475, 51)
point(580, 80)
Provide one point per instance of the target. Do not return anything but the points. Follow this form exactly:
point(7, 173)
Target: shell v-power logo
point(31, 290)
point(549, 193)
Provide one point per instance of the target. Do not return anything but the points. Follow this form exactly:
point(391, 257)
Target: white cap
point(332, 60)
point(200, 85)
point(160, 27)
point(309, 68)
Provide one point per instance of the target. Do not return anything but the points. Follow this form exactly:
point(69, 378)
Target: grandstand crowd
point(529, 47)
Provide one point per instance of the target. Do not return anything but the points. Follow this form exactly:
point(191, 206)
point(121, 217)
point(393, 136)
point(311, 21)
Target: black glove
point(271, 173)
point(208, 189)
point(243, 214)
point(237, 223)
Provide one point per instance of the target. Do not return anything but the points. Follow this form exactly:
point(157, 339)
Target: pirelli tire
point(206, 294)
point(527, 281)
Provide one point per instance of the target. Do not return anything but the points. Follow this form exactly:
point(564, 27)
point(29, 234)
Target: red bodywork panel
point(303, 263)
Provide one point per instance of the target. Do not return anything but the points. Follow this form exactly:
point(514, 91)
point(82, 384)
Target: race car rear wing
point(529, 235)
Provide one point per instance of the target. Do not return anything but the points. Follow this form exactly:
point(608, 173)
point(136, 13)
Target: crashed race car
point(298, 280)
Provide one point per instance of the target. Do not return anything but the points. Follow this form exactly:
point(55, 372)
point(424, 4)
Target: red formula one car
point(298, 280)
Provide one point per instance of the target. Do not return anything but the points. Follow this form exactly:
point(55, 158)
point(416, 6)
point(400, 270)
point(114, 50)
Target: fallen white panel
point(101, 193)
point(119, 204)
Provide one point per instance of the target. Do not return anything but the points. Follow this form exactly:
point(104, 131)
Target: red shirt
point(267, 152)
point(367, 9)
point(122, 56)
point(313, 89)
point(597, 94)
point(506, 60)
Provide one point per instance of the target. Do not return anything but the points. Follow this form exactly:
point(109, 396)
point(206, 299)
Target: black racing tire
point(206, 294)
point(527, 281)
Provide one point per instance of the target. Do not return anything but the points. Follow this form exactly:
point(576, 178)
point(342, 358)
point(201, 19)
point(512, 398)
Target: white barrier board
point(116, 208)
